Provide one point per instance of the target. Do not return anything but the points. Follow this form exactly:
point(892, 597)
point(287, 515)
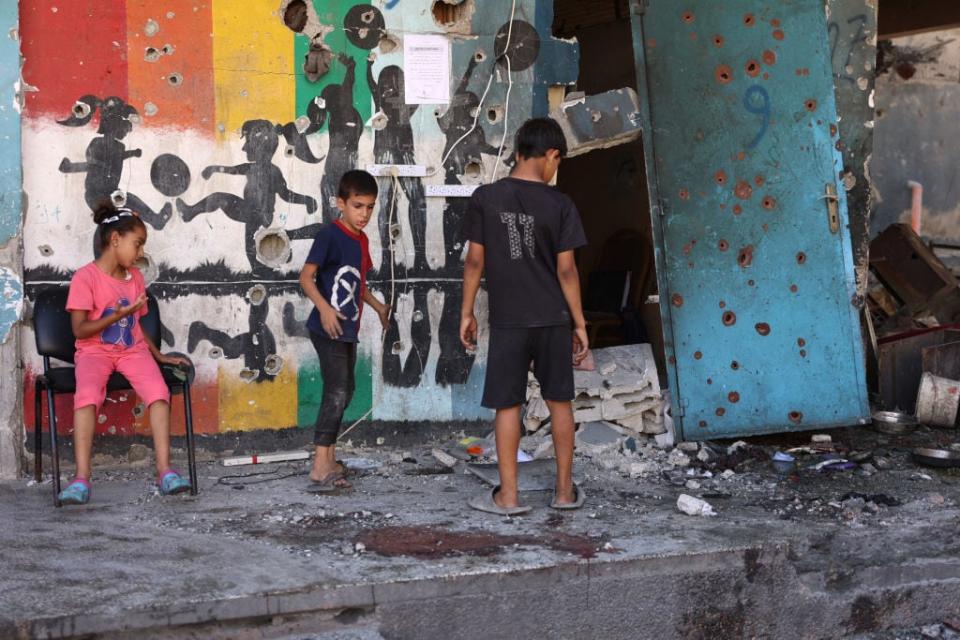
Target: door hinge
point(639, 7)
point(833, 208)
point(662, 207)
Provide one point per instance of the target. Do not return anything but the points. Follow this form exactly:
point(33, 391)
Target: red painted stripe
point(181, 30)
point(72, 49)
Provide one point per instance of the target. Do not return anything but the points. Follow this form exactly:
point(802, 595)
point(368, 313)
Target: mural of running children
point(264, 182)
point(257, 346)
point(106, 154)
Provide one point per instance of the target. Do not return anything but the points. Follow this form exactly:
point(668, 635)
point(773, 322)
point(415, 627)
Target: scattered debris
point(694, 506)
point(623, 389)
point(444, 458)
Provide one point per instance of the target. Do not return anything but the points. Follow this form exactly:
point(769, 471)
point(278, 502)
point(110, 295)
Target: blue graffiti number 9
point(757, 101)
point(392, 3)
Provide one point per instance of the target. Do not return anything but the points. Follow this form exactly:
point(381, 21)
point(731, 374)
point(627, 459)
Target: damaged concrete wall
point(11, 216)
point(918, 124)
point(147, 101)
point(852, 28)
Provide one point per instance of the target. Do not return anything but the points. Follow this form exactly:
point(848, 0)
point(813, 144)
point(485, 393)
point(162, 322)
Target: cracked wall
point(11, 274)
point(228, 131)
point(918, 122)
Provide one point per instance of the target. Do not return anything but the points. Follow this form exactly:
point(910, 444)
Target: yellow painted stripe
point(257, 405)
point(253, 64)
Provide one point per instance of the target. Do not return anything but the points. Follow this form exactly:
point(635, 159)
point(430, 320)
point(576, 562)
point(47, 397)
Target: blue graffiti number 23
point(757, 101)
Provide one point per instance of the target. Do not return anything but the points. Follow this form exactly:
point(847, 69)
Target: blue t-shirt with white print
point(343, 260)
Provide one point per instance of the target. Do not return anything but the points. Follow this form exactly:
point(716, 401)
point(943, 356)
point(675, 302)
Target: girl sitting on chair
point(107, 297)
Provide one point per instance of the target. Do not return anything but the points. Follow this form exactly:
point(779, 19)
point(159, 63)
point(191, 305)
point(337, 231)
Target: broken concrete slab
point(536, 475)
point(599, 121)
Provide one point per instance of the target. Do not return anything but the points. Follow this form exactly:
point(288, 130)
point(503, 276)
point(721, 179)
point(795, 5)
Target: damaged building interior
point(770, 412)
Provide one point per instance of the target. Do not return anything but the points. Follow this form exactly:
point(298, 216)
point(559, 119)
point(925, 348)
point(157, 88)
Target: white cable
point(476, 119)
point(393, 288)
point(506, 106)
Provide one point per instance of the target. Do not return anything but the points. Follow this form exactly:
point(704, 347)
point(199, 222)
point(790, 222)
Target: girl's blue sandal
point(171, 484)
point(77, 492)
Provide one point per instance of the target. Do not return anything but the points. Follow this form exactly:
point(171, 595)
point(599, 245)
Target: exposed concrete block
point(599, 121)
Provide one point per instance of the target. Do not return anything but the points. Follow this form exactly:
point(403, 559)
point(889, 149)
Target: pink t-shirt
point(99, 294)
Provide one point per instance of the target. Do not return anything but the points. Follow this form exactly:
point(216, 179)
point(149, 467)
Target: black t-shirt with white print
point(523, 226)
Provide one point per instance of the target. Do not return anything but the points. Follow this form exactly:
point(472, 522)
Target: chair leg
point(54, 449)
point(191, 457)
point(38, 432)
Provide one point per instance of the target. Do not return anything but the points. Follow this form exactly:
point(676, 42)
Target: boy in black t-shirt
point(334, 277)
point(523, 234)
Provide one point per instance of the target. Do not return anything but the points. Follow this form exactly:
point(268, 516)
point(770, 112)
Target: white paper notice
point(426, 69)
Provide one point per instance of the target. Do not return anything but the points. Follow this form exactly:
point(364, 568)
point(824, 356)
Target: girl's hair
point(110, 218)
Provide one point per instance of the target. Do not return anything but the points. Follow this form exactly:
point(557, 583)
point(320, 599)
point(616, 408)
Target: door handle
point(833, 208)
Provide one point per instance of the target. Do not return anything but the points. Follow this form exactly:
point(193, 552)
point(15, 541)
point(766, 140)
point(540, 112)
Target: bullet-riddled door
point(754, 258)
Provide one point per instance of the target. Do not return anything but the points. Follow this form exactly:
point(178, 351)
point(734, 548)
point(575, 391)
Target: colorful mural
point(229, 131)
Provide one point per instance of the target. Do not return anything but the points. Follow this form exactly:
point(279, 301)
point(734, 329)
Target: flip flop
point(485, 502)
point(171, 483)
point(570, 506)
point(328, 484)
point(77, 492)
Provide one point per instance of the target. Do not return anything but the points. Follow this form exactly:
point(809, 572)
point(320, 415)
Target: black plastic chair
point(54, 337)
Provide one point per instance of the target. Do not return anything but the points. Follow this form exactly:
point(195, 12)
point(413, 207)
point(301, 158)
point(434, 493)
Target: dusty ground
point(131, 550)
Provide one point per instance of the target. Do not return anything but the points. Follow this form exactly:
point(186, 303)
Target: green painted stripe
point(310, 392)
point(332, 12)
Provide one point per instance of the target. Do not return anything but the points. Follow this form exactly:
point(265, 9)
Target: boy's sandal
point(570, 506)
point(331, 482)
point(487, 503)
point(77, 492)
point(171, 483)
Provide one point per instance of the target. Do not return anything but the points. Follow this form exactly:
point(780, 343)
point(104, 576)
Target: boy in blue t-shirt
point(334, 277)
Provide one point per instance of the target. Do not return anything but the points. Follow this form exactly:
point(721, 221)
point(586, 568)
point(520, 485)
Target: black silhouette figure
point(345, 128)
point(256, 346)
point(409, 373)
point(265, 182)
point(394, 145)
point(105, 155)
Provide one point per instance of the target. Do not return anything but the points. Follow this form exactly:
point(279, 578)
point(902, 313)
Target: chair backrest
point(54, 332)
point(150, 323)
point(51, 324)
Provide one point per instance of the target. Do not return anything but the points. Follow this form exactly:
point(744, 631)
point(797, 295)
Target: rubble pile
point(623, 389)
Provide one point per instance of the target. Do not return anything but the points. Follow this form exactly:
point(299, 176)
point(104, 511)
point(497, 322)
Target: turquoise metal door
point(754, 261)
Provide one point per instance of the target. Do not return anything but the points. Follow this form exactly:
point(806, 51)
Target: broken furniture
point(54, 339)
point(915, 277)
point(623, 389)
point(904, 357)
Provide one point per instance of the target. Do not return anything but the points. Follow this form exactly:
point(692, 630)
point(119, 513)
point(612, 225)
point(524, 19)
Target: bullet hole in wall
point(495, 114)
point(295, 15)
point(273, 247)
point(273, 365)
point(148, 267)
point(388, 44)
point(257, 294)
point(449, 14)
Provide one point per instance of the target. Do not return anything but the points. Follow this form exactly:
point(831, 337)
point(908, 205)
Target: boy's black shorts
point(508, 362)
